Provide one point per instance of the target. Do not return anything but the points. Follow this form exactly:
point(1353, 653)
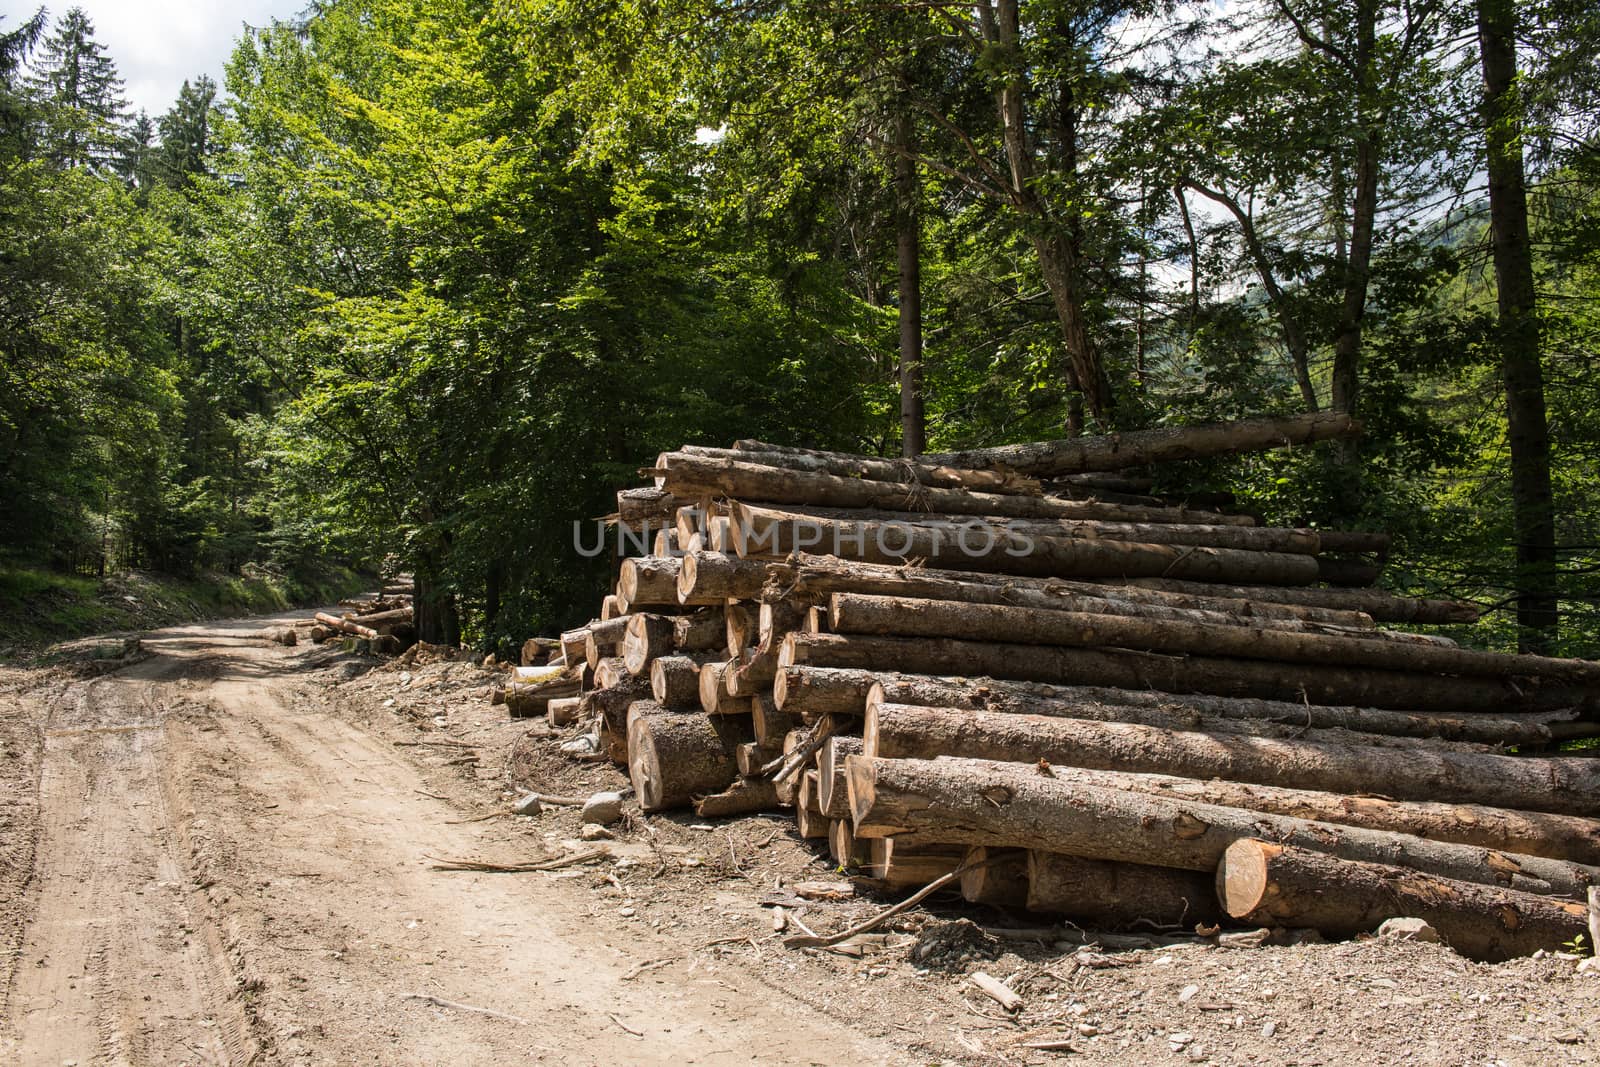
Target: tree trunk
point(809, 575)
point(745, 796)
point(870, 468)
point(1518, 333)
point(1313, 683)
point(674, 757)
point(435, 608)
point(768, 531)
point(709, 575)
point(908, 259)
point(1139, 448)
point(854, 613)
point(675, 680)
point(1272, 884)
point(1552, 784)
point(1530, 833)
point(1108, 894)
point(1022, 807)
point(988, 694)
point(1381, 606)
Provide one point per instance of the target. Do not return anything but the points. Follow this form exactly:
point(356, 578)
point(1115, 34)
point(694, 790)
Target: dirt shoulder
point(225, 853)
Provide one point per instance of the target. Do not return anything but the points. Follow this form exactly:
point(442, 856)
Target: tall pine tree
point(79, 83)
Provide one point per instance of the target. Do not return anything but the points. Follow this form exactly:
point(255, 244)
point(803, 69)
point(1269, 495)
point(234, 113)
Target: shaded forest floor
point(224, 850)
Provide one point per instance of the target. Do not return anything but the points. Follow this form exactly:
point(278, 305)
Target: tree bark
point(986, 804)
point(1381, 606)
point(870, 468)
point(1568, 786)
point(1139, 448)
point(1110, 894)
point(675, 681)
point(761, 530)
point(674, 757)
point(1272, 884)
point(988, 694)
point(745, 796)
point(854, 613)
point(710, 575)
point(1518, 331)
point(908, 260)
point(1313, 683)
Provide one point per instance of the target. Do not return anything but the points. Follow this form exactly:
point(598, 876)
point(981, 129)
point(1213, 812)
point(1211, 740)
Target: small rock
point(1568, 1037)
point(528, 805)
point(582, 746)
point(405, 677)
point(1087, 1030)
point(1196, 1053)
point(1269, 1029)
point(1188, 994)
point(595, 832)
point(603, 808)
point(1408, 930)
point(1589, 966)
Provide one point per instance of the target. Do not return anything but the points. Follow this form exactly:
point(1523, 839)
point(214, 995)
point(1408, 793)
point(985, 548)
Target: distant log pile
point(375, 624)
point(1132, 711)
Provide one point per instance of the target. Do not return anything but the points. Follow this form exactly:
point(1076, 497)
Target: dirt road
point(204, 864)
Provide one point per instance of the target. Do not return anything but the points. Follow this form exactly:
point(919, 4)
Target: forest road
point(205, 864)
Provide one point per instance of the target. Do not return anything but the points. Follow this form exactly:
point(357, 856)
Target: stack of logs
point(1092, 702)
point(381, 624)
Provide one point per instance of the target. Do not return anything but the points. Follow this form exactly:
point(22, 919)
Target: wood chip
point(997, 990)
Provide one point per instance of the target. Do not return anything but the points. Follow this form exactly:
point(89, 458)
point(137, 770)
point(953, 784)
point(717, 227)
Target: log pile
point(380, 624)
point(1097, 703)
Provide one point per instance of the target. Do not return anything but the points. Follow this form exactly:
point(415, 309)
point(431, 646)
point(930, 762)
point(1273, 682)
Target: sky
point(157, 44)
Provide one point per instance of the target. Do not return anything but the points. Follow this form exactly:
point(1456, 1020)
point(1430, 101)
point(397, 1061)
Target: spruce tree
point(79, 84)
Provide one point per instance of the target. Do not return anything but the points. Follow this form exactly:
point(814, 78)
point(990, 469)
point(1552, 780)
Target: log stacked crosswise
point(1101, 704)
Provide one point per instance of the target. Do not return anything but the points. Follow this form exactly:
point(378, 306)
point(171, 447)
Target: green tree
point(79, 81)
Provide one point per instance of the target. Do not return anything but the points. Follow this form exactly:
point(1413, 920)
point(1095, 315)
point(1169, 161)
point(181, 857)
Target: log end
point(1243, 880)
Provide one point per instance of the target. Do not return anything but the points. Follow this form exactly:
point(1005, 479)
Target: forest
point(422, 284)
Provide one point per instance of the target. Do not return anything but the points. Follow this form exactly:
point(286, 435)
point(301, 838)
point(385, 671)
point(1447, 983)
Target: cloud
point(158, 44)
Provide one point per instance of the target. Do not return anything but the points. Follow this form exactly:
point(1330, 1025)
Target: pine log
point(745, 796)
point(1140, 448)
point(538, 650)
point(610, 671)
point(646, 637)
point(704, 575)
point(808, 819)
point(527, 700)
point(1569, 786)
point(646, 504)
point(674, 757)
point(1117, 895)
point(573, 643)
point(771, 725)
point(611, 704)
point(700, 631)
point(753, 755)
point(855, 613)
point(605, 638)
point(994, 876)
point(1529, 833)
point(903, 865)
point(739, 627)
point(833, 790)
point(1272, 884)
point(698, 476)
point(1325, 684)
point(666, 543)
point(843, 846)
point(805, 575)
point(789, 788)
point(691, 520)
point(611, 608)
point(874, 469)
point(1019, 806)
point(750, 673)
point(710, 685)
point(675, 681)
point(767, 531)
point(775, 618)
point(346, 626)
point(1198, 709)
point(1384, 607)
point(563, 711)
point(1347, 572)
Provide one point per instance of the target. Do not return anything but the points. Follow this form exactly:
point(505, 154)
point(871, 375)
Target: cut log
point(745, 796)
point(1109, 894)
point(843, 846)
point(563, 711)
point(573, 643)
point(1324, 684)
point(1384, 607)
point(675, 681)
point(753, 755)
point(653, 581)
point(706, 575)
point(1530, 833)
point(646, 638)
point(1039, 698)
point(605, 638)
point(648, 504)
point(535, 650)
point(610, 705)
point(1015, 805)
point(1568, 786)
point(739, 627)
point(1140, 448)
point(767, 531)
point(666, 543)
point(994, 876)
point(1347, 572)
point(901, 865)
point(610, 672)
point(808, 819)
point(811, 576)
point(874, 469)
point(346, 626)
point(750, 673)
point(833, 790)
point(701, 631)
point(611, 608)
point(674, 757)
point(789, 788)
point(856, 613)
point(691, 475)
point(527, 700)
point(771, 725)
point(1271, 884)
